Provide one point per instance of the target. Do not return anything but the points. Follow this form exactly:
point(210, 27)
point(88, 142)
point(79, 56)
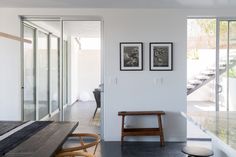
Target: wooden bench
point(142, 131)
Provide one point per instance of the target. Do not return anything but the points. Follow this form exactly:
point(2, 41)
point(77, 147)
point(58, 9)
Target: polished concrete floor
point(141, 149)
point(83, 112)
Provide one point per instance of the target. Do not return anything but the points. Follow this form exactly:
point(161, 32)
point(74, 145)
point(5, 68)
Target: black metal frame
point(141, 51)
point(150, 56)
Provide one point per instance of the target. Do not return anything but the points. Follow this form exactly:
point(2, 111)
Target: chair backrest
point(97, 96)
point(74, 154)
point(94, 140)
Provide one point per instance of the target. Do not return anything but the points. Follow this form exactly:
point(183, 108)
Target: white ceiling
point(119, 3)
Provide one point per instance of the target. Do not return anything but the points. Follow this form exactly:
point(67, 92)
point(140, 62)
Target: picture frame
point(131, 56)
point(161, 56)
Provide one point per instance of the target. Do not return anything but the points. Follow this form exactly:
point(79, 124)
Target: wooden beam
point(13, 37)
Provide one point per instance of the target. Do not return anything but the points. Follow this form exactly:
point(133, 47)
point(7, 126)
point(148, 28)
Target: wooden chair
point(81, 150)
point(74, 154)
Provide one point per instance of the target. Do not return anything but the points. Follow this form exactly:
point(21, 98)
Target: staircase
point(208, 75)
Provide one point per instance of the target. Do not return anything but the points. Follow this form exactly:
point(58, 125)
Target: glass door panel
point(201, 54)
point(65, 74)
point(222, 64)
point(29, 75)
point(227, 68)
point(42, 77)
point(54, 72)
point(232, 66)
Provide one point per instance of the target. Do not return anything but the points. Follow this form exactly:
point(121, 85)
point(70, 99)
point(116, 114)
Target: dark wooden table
point(142, 131)
point(46, 142)
point(6, 126)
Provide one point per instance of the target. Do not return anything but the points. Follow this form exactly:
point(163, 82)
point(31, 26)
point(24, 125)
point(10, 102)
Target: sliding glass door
point(227, 66)
point(54, 72)
point(232, 66)
point(43, 74)
point(65, 73)
point(29, 112)
point(211, 59)
point(201, 64)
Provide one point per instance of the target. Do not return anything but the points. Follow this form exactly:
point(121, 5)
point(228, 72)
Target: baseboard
point(199, 139)
point(74, 102)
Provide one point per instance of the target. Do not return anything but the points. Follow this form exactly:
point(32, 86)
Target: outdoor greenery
point(193, 54)
point(202, 35)
point(232, 73)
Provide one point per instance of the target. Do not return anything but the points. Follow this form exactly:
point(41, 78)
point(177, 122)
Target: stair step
point(222, 64)
point(222, 67)
point(190, 86)
point(212, 68)
point(208, 72)
point(233, 54)
point(232, 57)
point(232, 61)
point(194, 82)
point(202, 77)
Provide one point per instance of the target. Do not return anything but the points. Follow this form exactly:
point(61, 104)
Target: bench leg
point(122, 129)
point(161, 131)
point(122, 139)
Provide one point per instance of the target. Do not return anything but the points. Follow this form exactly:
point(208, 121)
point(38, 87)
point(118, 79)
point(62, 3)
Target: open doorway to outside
point(62, 76)
point(211, 64)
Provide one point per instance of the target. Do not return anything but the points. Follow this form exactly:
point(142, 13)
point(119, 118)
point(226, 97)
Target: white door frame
point(62, 19)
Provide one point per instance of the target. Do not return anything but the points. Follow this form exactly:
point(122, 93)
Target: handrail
point(13, 37)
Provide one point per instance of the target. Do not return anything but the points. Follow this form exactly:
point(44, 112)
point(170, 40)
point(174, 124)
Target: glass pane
point(65, 95)
point(42, 80)
point(29, 75)
point(201, 37)
point(54, 69)
point(222, 65)
point(232, 67)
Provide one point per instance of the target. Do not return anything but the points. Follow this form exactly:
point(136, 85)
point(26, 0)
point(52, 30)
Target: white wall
point(88, 72)
point(10, 108)
point(85, 72)
point(74, 79)
point(134, 90)
point(137, 90)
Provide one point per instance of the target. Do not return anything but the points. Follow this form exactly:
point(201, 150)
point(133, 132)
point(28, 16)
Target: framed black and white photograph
point(161, 56)
point(131, 56)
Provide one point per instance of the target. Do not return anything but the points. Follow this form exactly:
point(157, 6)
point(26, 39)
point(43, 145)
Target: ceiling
point(119, 3)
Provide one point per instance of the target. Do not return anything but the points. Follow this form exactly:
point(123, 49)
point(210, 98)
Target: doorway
point(50, 65)
point(211, 64)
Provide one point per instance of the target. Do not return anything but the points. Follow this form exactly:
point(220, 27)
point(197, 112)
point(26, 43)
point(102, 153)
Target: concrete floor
point(83, 112)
